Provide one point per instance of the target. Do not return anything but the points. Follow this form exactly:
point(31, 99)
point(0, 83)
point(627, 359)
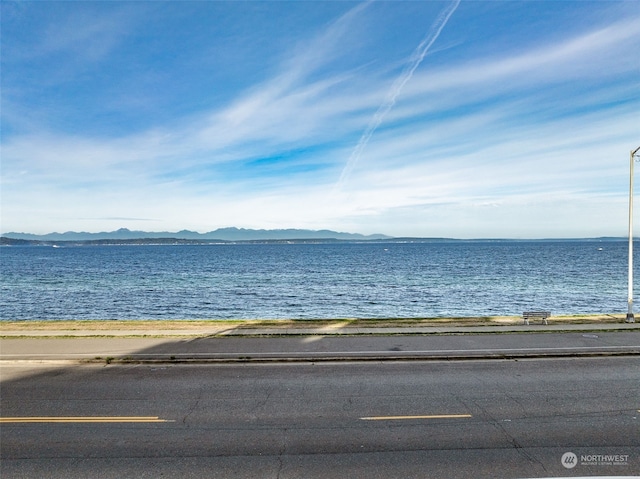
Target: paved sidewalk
point(225, 343)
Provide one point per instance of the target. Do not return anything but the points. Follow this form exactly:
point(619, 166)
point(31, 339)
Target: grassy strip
point(186, 325)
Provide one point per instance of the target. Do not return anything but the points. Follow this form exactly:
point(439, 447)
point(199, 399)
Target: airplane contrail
point(415, 60)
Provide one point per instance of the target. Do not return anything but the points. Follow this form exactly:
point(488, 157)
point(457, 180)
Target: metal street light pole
point(630, 317)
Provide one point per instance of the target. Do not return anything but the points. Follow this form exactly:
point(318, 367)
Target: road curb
point(306, 358)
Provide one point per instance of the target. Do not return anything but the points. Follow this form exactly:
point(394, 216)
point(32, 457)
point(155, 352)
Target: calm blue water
point(253, 281)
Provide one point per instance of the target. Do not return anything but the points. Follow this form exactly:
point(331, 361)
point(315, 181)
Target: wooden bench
point(543, 315)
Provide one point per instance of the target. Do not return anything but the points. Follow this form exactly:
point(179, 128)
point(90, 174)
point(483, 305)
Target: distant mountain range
point(221, 234)
point(231, 235)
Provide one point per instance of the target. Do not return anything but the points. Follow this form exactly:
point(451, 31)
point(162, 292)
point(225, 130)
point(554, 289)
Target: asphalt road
point(405, 419)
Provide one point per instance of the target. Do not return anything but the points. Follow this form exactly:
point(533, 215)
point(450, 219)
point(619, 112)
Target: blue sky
point(467, 119)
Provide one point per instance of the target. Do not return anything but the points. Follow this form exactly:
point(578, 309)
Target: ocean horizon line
point(150, 241)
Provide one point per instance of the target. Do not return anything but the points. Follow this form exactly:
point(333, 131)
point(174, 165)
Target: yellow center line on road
point(434, 416)
point(80, 419)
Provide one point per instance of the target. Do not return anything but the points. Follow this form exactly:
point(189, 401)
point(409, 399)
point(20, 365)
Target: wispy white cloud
point(607, 52)
point(87, 36)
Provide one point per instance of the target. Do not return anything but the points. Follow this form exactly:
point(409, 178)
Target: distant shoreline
point(124, 236)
